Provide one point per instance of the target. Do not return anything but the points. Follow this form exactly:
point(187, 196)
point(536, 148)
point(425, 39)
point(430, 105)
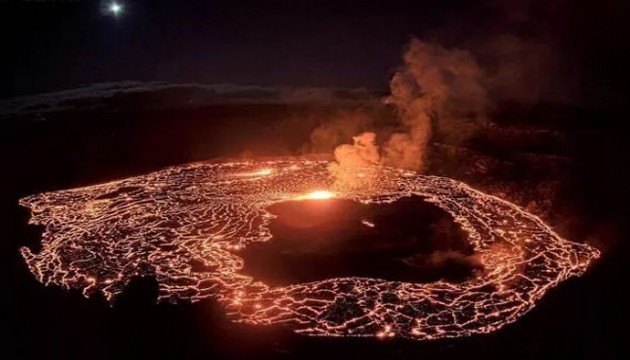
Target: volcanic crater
point(407, 240)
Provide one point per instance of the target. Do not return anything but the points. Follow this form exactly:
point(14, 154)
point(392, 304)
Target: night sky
point(56, 44)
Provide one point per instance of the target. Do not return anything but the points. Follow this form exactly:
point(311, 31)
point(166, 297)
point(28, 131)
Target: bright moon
point(115, 8)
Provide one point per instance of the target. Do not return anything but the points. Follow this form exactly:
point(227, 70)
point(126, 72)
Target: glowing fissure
point(98, 238)
point(316, 195)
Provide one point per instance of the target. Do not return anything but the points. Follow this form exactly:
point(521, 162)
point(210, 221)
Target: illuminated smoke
point(342, 127)
point(437, 93)
point(355, 162)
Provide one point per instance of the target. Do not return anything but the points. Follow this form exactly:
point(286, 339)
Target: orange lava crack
point(186, 225)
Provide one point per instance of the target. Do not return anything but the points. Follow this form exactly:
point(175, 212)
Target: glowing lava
point(317, 195)
point(367, 223)
point(186, 226)
point(261, 172)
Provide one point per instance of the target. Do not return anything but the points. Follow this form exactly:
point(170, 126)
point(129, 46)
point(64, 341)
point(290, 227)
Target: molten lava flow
point(321, 195)
point(186, 226)
point(317, 195)
point(367, 223)
point(261, 172)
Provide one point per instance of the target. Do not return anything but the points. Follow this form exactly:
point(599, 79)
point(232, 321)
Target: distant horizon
point(131, 81)
point(230, 93)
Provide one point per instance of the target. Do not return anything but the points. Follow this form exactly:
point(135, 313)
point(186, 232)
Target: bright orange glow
point(367, 223)
point(317, 195)
point(262, 172)
point(321, 195)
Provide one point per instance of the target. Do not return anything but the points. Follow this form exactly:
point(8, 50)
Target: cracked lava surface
point(186, 226)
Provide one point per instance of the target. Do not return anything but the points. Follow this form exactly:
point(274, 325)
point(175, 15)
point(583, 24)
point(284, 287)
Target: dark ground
point(566, 165)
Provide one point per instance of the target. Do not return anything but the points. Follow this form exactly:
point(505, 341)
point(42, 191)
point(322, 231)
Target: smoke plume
point(437, 94)
point(354, 161)
point(342, 127)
